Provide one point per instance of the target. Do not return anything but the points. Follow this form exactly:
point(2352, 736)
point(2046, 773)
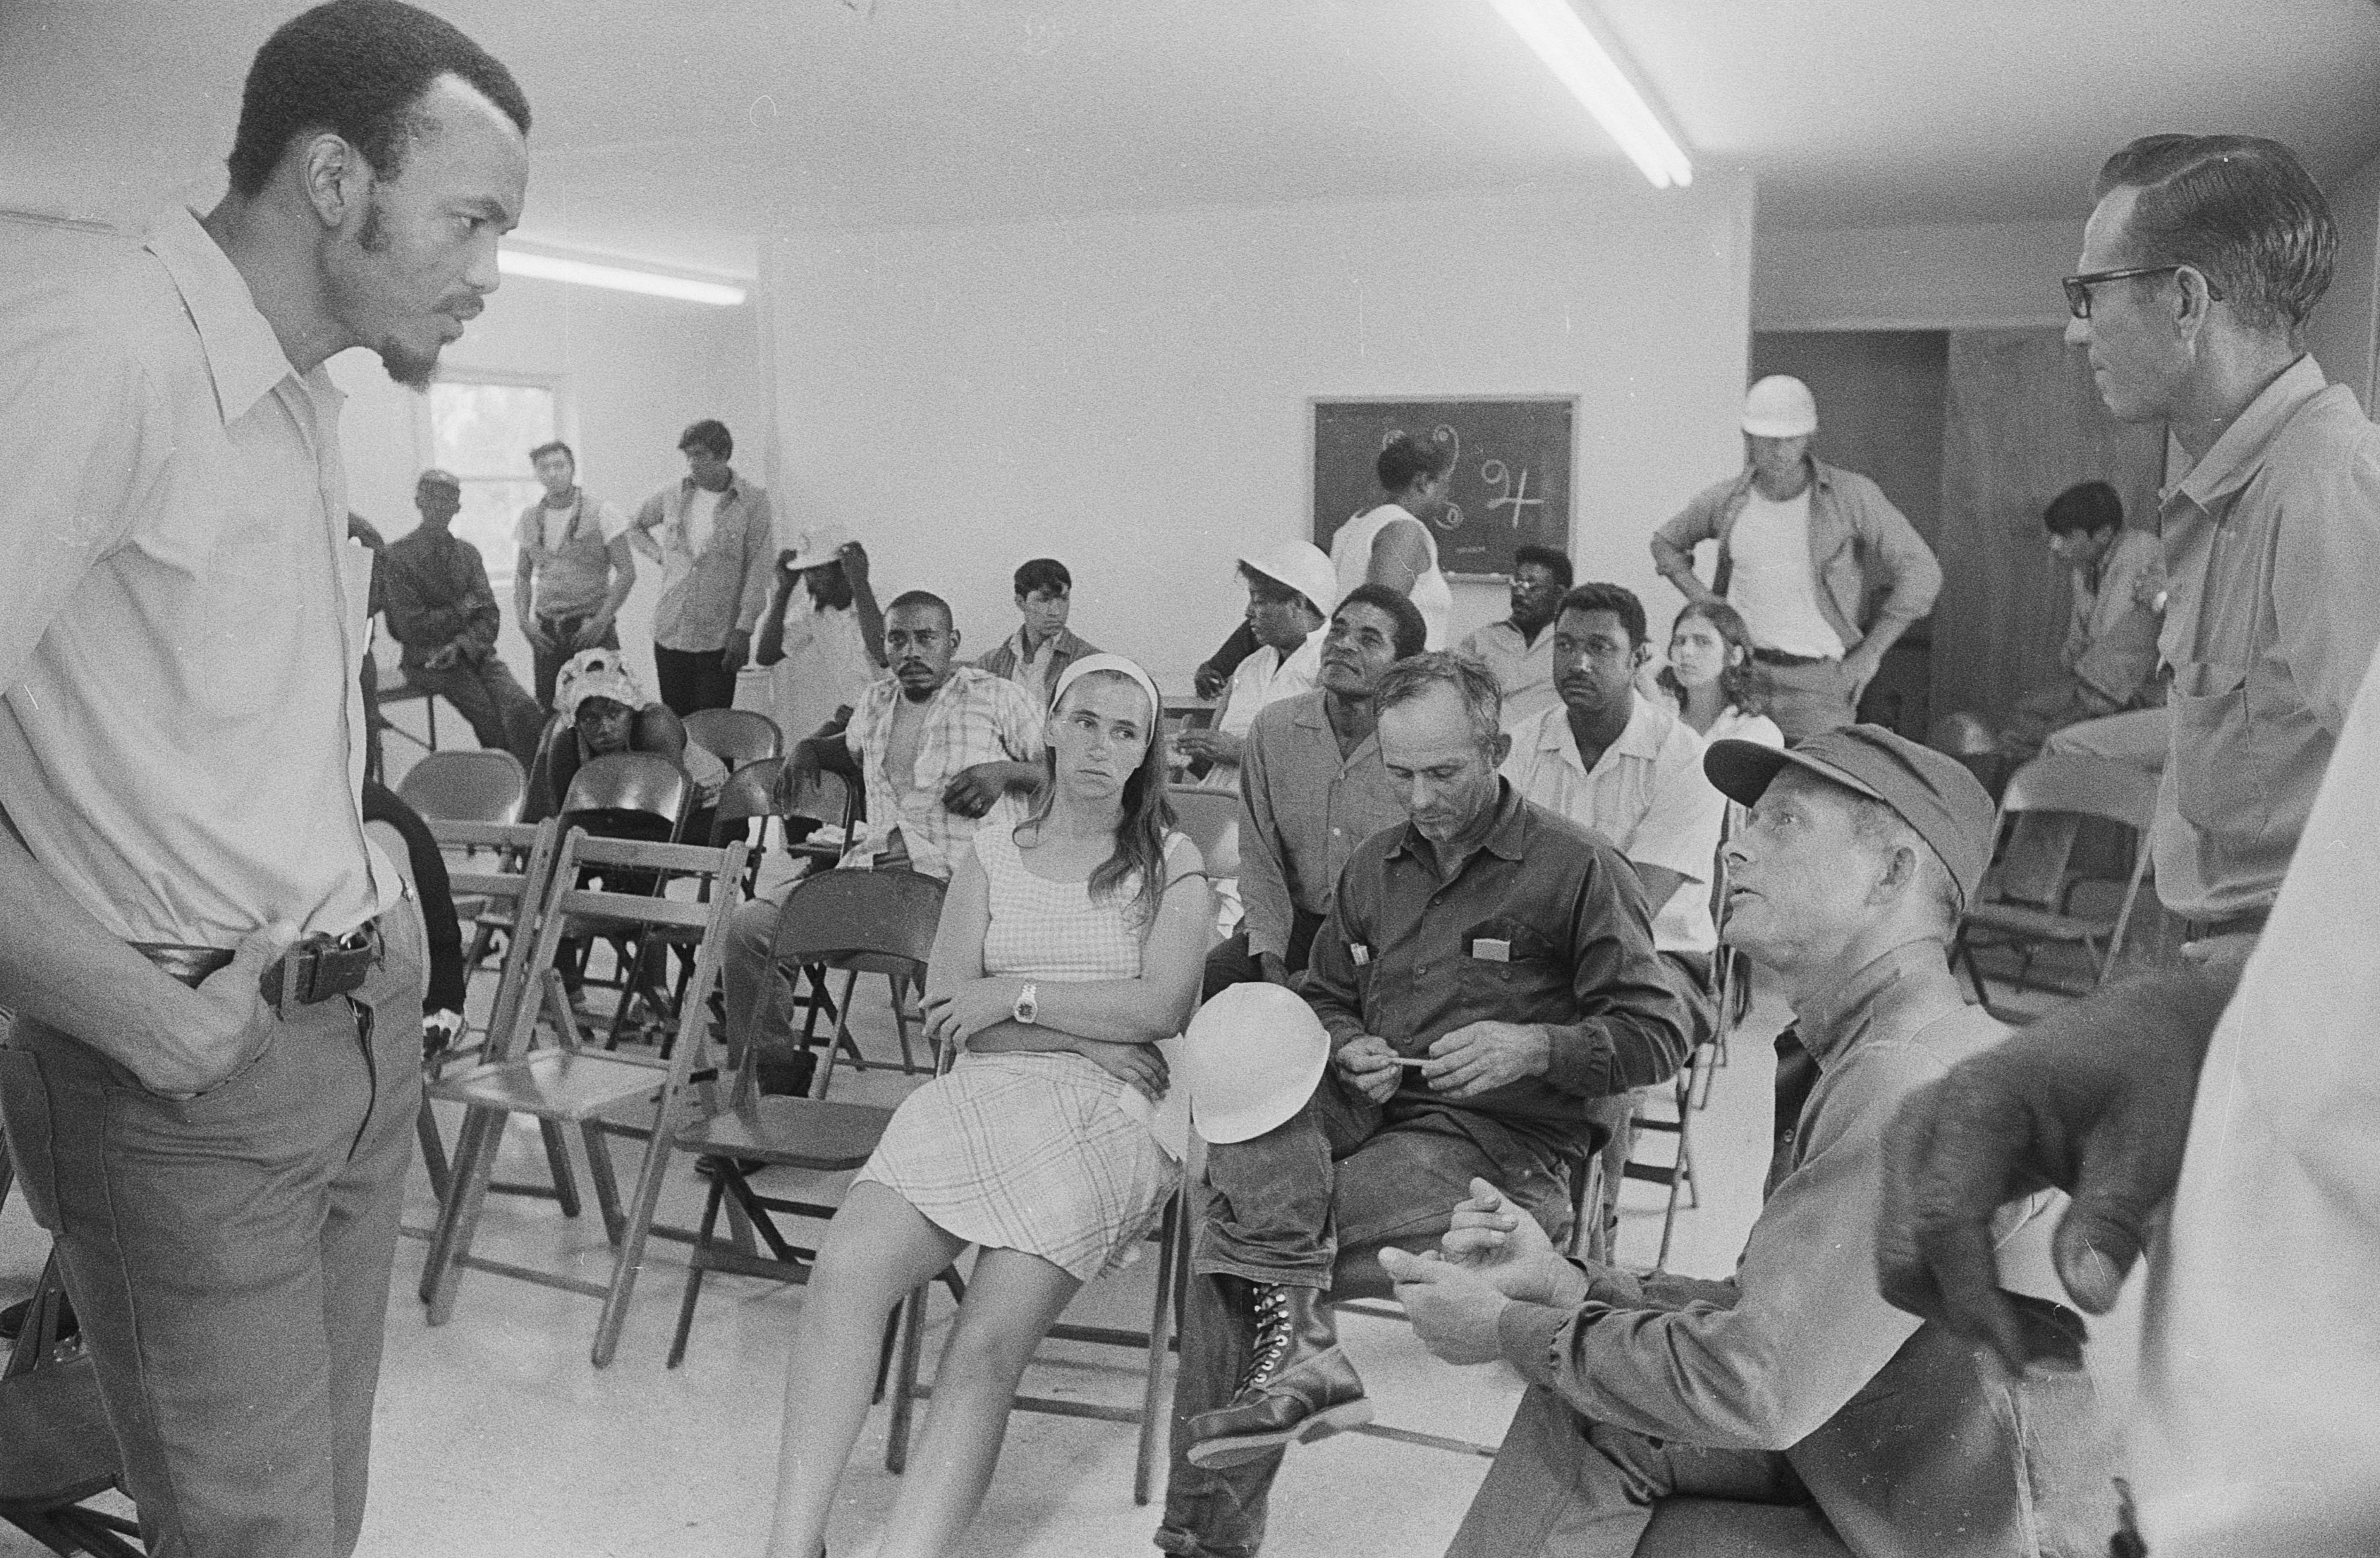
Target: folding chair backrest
point(610, 794)
point(748, 792)
point(876, 921)
point(2088, 786)
point(1211, 818)
point(571, 908)
point(515, 871)
point(467, 787)
point(735, 737)
point(826, 798)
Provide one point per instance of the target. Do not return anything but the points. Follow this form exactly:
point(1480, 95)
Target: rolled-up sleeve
point(1806, 1332)
point(1674, 543)
point(1902, 561)
point(1631, 1030)
point(759, 559)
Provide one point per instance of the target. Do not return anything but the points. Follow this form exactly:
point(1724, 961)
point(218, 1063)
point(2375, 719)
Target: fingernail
point(2097, 1281)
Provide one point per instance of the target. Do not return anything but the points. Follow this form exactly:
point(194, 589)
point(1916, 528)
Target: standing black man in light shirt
point(182, 743)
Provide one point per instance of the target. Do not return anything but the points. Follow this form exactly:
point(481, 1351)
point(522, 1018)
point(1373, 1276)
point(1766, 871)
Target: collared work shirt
point(437, 594)
point(1303, 809)
point(1646, 794)
point(182, 615)
point(1525, 669)
point(720, 585)
point(1039, 678)
point(1544, 924)
point(1859, 543)
point(2272, 557)
point(1903, 1433)
point(973, 718)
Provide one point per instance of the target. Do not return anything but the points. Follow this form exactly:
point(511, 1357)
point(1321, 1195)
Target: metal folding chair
point(1211, 818)
point(746, 798)
point(473, 786)
point(631, 795)
point(858, 922)
point(735, 737)
point(57, 1449)
point(571, 1083)
point(2029, 915)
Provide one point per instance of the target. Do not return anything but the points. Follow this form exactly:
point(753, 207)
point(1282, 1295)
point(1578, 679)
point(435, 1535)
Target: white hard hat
point(1251, 1057)
point(1780, 406)
point(1303, 568)
point(817, 546)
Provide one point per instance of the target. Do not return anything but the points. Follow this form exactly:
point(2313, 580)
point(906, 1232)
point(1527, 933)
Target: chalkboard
point(1512, 472)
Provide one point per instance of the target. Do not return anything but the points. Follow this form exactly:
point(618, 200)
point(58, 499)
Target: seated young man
point(1486, 971)
point(1794, 1383)
point(2108, 663)
point(1037, 653)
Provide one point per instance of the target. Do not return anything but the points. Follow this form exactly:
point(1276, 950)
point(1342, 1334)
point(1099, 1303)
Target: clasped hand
point(1493, 1254)
point(1474, 1059)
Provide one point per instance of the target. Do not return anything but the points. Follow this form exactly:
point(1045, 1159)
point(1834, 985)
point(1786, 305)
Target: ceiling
point(684, 133)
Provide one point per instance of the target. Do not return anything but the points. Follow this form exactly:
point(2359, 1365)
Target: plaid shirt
point(974, 718)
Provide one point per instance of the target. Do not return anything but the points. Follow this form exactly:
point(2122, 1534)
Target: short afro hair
point(356, 68)
point(1617, 599)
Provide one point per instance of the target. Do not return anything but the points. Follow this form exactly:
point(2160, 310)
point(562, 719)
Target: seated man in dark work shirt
point(1484, 972)
point(444, 613)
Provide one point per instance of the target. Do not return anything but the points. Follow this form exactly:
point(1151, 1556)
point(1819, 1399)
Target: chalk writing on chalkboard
point(1511, 471)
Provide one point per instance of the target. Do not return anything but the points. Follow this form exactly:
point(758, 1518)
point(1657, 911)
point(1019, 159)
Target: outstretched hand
point(1454, 1310)
point(2094, 1101)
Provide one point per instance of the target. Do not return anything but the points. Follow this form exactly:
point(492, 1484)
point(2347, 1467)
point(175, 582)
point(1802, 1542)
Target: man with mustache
point(942, 750)
point(1518, 649)
point(211, 1082)
point(1485, 971)
point(1312, 787)
point(1630, 769)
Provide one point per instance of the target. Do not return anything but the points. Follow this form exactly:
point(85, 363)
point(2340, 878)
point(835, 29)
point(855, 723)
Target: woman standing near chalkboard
point(1391, 544)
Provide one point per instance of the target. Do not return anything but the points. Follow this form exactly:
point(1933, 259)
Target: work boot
point(1299, 1385)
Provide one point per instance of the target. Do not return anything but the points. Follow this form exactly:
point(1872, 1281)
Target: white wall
point(1129, 393)
point(1912, 277)
point(2341, 331)
point(632, 372)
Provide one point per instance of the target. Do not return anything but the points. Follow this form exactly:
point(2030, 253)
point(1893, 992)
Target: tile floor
point(496, 1435)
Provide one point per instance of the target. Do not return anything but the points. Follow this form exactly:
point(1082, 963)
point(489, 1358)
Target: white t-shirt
point(1351, 554)
point(610, 519)
point(701, 514)
point(826, 666)
point(1770, 580)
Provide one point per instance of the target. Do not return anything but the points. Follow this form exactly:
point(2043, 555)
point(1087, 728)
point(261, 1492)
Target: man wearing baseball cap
point(1827, 572)
point(1794, 1386)
point(441, 609)
point(821, 653)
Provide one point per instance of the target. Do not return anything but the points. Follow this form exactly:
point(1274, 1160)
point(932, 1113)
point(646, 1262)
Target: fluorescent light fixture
point(1580, 62)
point(619, 278)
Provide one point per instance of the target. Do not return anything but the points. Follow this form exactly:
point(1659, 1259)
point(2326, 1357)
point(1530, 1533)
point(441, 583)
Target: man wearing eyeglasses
point(2200, 265)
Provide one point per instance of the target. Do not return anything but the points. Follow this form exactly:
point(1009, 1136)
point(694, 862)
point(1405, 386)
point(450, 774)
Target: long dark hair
point(1147, 816)
point(1743, 684)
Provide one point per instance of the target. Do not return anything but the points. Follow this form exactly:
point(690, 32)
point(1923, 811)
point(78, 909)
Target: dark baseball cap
point(1931, 791)
point(436, 478)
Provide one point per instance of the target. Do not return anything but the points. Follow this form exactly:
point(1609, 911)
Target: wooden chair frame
point(570, 1083)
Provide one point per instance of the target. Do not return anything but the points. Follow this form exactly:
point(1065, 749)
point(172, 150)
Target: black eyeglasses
point(2078, 289)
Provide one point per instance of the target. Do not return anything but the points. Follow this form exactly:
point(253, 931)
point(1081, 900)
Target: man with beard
point(1518, 649)
point(210, 1082)
point(942, 748)
point(1312, 787)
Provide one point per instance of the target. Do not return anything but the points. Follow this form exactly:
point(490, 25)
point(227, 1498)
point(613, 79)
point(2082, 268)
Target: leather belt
point(1779, 657)
point(315, 968)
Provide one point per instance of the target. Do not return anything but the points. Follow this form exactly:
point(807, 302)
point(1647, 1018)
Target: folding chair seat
point(594, 1089)
point(858, 922)
point(56, 1449)
point(735, 737)
point(2025, 901)
point(504, 866)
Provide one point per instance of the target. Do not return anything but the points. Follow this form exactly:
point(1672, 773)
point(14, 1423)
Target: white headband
point(1121, 668)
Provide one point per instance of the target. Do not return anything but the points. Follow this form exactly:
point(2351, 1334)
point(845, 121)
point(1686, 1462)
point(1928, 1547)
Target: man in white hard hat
point(1827, 572)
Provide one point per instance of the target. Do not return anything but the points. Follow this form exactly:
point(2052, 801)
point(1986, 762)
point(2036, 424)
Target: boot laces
point(1272, 1336)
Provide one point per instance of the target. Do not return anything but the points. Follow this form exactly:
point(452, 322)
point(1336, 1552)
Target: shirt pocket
point(1529, 960)
point(2219, 776)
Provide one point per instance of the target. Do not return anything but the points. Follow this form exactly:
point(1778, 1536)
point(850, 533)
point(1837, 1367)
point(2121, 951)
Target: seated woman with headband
point(1068, 948)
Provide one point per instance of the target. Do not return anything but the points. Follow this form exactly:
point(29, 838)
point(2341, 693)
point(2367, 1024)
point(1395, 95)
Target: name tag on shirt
point(1489, 949)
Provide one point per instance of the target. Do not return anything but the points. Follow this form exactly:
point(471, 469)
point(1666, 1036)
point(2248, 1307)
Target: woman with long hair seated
point(1720, 689)
point(1068, 948)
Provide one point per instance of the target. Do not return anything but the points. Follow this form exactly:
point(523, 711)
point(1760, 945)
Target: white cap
point(819, 544)
point(1303, 568)
point(1251, 1057)
point(596, 673)
point(1780, 406)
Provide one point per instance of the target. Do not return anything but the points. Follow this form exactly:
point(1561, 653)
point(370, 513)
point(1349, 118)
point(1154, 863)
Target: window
point(483, 431)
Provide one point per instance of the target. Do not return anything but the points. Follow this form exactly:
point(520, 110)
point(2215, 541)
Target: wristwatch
point(1027, 1006)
